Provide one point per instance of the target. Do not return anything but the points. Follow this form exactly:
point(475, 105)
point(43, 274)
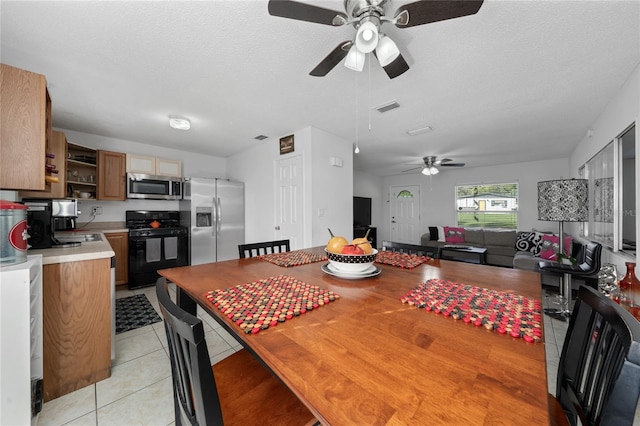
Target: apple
point(336, 243)
point(351, 249)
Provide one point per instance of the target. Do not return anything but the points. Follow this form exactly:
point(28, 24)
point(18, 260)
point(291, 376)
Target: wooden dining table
point(367, 358)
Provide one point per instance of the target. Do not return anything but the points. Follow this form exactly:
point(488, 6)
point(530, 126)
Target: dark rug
point(134, 312)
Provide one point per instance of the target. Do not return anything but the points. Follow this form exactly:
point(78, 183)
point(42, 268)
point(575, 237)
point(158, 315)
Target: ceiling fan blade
point(452, 165)
point(427, 11)
point(444, 160)
point(415, 168)
point(332, 59)
point(306, 12)
point(397, 67)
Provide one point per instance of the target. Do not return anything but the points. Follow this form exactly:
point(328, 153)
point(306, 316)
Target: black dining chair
point(407, 248)
point(587, 270)
point(237, 390)
point(598, 380)
point(259, 249)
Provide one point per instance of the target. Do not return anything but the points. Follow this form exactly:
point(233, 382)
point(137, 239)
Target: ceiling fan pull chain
point(357, 150)
point(369, 103)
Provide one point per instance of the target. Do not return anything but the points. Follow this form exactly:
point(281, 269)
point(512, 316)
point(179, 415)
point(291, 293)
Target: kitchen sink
point(87, 238)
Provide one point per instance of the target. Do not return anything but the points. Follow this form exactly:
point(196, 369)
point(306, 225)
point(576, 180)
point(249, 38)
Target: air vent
point(388, 106)
point(419, 131)
point(261, 137)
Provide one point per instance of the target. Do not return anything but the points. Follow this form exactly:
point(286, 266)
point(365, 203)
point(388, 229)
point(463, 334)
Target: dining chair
point(587, 270)
point(598, 380)
point(407, 248)
point(259, 249)
point(237, 390)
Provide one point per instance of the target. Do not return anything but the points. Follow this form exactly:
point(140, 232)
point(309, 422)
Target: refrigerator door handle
point(214, 225)
point(219, 215)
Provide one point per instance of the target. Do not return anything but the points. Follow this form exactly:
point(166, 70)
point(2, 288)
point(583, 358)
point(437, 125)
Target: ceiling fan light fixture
point(367, 36)
point(386, 51)
point(355, 59)
point(426, 171)
point(434, 170)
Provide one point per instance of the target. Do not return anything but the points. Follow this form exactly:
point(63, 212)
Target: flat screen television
point(361, 211)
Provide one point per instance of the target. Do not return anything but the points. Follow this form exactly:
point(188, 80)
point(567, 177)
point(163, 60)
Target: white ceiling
point(518, 81)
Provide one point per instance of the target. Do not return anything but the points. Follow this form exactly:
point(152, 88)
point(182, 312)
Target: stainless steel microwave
point(154, 187)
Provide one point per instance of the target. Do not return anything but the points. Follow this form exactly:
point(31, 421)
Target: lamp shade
point(563, 200)
point(386, 51)
point(367, 37)
point(355, 59)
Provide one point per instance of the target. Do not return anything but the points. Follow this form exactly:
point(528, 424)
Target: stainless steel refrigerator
point(213, 210)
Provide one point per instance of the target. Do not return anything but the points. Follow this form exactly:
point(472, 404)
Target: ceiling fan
point(431, 164)
point(368, 16)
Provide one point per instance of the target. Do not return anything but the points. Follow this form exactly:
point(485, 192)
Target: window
point(487, 206)
point(612, 194)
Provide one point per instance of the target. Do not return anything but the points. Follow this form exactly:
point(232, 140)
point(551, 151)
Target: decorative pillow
point(550, 246)
point(453, 235)
point(433, 233)
point(529, 241)
point(441, 234)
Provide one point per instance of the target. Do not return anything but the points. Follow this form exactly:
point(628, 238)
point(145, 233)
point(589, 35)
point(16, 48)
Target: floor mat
point(134, 312)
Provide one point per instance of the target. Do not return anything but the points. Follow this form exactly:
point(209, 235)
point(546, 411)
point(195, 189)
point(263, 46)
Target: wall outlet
point(96, 210)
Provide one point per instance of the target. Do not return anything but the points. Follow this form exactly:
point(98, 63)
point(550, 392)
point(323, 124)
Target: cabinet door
point(25, 125)
point(141, 164)
point(166, 167)
point(57, 146)
point(111, 176)
point(120, 245)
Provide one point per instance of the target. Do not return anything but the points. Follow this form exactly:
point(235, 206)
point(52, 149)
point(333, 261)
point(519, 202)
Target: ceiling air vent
point(261, 137)
point(388, 106)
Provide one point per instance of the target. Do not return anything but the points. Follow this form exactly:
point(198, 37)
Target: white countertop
point(87, 250)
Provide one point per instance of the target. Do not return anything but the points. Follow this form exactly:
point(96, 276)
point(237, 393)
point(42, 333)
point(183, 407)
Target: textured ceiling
point(518, 81)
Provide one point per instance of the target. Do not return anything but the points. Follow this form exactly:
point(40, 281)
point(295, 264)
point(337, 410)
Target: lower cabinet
point(77, 325)
point(120, 245)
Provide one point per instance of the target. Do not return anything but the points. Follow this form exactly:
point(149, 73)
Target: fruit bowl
point(351, 263)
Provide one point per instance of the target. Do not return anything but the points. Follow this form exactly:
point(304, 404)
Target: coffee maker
point(44, 217)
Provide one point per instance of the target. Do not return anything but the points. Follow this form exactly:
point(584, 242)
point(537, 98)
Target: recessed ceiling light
point(419, 131)
point(179, 123)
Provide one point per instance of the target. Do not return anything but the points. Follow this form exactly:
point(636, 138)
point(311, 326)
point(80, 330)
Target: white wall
point(437, 193)
point(114, 211)
point(622, 111)
point(325, 187)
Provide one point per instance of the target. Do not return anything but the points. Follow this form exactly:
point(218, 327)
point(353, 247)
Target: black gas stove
point(156, 241)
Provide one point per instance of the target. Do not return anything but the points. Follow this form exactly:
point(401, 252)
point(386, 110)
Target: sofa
point(500, 243)
point(505, 247)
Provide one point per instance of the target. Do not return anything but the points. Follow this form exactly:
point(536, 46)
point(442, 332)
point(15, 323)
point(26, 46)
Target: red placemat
point(293, 258)
point(403, 260)
point(506, 313)
point(265, 303)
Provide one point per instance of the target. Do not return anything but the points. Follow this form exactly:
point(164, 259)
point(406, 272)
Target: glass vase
point(630, 281)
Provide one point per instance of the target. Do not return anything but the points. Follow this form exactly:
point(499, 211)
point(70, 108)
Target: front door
point(288, 204)
point(405, 214)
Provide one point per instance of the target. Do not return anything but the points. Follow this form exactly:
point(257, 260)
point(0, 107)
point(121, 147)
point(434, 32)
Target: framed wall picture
point(286, 144)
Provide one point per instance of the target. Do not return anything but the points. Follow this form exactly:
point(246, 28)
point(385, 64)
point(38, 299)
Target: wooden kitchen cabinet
point(111, 176)
point(153, 165)
point(82, 171)
point(120, 245)
point(77, 325)
point(25, 127)
point(57, 146)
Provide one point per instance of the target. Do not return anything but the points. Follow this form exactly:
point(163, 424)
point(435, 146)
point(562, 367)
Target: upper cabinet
point(56, 167)
point(153, 166)
point(25, 127)
point(82, 171)
point(111, 176)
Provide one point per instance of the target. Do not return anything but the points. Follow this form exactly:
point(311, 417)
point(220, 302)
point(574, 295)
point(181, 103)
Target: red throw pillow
point(453, 235)
point(550, 246)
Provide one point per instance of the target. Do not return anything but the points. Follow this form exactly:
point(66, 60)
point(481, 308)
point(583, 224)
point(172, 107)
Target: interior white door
point(289, 209)
point(405, 214)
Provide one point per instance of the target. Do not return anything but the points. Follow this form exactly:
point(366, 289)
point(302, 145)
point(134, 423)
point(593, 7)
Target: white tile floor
point(139, 390)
